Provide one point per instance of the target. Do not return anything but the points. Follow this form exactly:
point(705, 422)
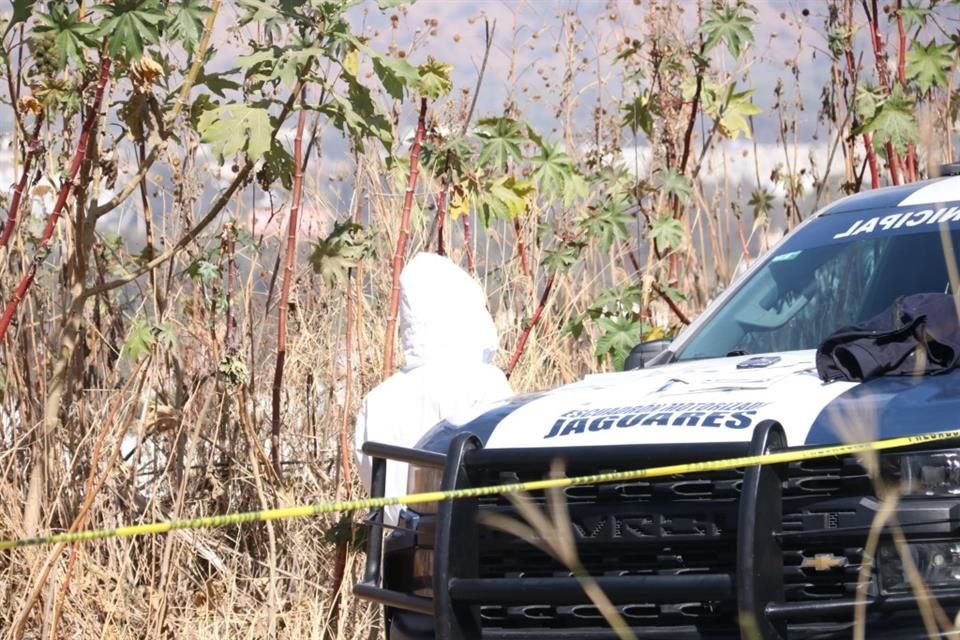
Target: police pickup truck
point(763, 552)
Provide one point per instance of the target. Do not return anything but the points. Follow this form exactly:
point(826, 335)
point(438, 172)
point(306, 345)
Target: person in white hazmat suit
point(449, 341)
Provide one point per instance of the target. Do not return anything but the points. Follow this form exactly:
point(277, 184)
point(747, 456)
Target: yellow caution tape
point(304, 511)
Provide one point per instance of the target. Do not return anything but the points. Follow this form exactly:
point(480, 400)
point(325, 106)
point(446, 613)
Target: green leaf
point(676, 184)
point(761, 202)
point(344, 249)
point(552, 169)
point(575, 326)
point(129, 26)
point(894, 121)
point(203, 271)
point(286, 65)
point(928, 65)
point(728, 25)
point(358, 116)
point(446, 154)
point(231, 128)
point(638, 115)
point(575, 188)
point(505, 198)
point(391, 4)
point(617, 300)
point(434, 79)
point(914, 17)
point(667, 232)
point(72, 34)
point(258, 11)
point(562, 258)
point(218, 83)
point(140, 339)
point(615, 178)
point(201, 105)
point(22, 10)
point(185, 22)
point(261, 61)
point(839, 40)
point(867, 101)
point(279, 164)
point(292, 64)
point(608, 223)
point(621, 333)
point(735, 113)
point(234, 369)
point(501, 138)
point(395, 74)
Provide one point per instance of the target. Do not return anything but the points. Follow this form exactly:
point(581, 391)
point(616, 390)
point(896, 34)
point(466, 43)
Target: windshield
point(838, 270)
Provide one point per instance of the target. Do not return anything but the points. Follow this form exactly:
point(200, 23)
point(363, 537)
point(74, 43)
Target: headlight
point(937, 562)
point(424, 480)
point(934, 473)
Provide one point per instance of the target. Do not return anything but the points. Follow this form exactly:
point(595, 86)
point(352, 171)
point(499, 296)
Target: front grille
point(673, 526)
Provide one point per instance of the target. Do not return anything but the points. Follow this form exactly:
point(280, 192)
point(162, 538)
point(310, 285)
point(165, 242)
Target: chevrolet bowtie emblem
point(823, 562)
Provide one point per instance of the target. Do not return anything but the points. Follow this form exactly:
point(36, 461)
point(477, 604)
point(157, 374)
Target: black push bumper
point(764, 552)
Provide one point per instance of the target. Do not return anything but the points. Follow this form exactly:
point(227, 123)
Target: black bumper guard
point(757, 582)
point(756, 585)
point(370, 587)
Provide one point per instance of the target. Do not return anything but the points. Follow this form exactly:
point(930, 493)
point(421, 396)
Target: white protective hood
point(443, 315)
point(449, 340)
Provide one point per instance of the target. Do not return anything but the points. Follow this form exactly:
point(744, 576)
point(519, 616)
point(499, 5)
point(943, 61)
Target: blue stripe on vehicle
point(438, 439)
point(890, 406)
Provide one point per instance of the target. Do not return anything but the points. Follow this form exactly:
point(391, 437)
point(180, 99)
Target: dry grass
point(164, 434)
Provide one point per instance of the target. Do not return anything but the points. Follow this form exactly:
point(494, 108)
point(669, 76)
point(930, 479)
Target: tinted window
point(822, 280)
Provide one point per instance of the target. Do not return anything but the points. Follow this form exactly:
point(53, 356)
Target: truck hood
point(714, 400)
point(717, 400)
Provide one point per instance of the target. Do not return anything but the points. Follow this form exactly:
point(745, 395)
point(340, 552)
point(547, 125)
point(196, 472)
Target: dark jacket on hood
point(918, 335)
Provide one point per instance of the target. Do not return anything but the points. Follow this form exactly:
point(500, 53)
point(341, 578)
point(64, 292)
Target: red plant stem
point(877, 42)
point(401, 247)
point(911, 162)
point(78, 156)
point(467, 243)
point(893, 159)
point(32, 147)
point(694, 109)
point(522, 343)
point(521, 250)
point(283, 310)
point(911, 168)
point(441, 216)
point(867, 138)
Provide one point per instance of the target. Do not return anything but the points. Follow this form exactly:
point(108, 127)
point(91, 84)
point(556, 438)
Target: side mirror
point(644, 352)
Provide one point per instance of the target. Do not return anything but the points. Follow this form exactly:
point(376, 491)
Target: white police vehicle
point(693, 556)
